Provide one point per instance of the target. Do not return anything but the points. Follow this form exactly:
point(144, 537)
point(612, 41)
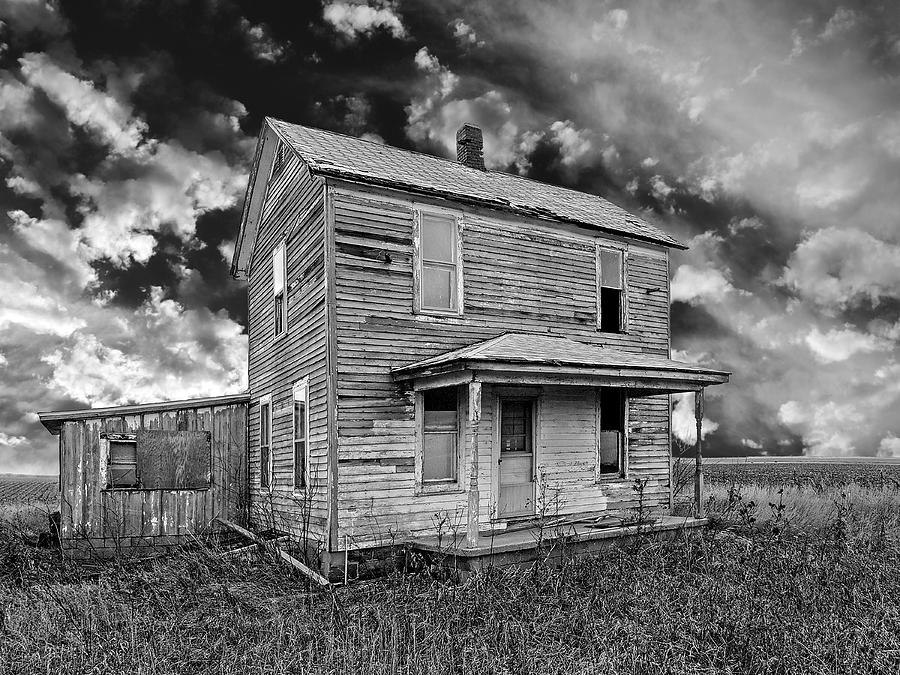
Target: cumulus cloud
point(684, 422)
point(841, 344)
point(837, 268)
point(25, 16)
point(574, 144)
point(694, 285)
point(262, 45)
point(465, 35)
point(362, 19)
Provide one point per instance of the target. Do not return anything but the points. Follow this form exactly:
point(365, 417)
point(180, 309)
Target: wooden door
point(516, 467)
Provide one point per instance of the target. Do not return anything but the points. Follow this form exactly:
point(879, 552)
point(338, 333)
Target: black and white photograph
point(431, 336)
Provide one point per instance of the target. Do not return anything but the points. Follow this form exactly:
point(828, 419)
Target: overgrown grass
point(791, 582)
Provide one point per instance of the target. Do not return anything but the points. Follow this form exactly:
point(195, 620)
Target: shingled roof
point(330, 154)
point(509, 352)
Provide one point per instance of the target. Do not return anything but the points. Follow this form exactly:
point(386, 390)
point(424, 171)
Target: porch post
point(698, 472)
point(474, 418)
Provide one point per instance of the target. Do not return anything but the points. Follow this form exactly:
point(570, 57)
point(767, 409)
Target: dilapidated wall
point(95, 516)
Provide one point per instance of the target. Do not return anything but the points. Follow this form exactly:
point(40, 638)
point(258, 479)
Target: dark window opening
point(612, 431)
point(440, 434)
point(279, 313)
point(300, 436)
point(610, 306)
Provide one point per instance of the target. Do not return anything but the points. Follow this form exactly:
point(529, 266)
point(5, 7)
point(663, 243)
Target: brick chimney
point(470, 146)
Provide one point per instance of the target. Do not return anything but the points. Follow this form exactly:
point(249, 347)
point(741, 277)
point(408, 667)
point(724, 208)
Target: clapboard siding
point(518, 276)
point(293, 212)
point(101, 518)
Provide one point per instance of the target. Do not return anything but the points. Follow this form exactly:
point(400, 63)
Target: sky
point(764, 134)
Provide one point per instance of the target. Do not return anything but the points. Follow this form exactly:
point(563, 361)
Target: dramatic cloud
point(261, 43)
point(355, 19)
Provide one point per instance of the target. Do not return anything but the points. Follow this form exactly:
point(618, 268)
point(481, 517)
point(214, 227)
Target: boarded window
point(440, 434)
point(278, 161)
point(155, 459)
point(265, 444)
point(612, 432)
point(610, 305)
point(301, 433)
point(279, 282)
point(440, 266)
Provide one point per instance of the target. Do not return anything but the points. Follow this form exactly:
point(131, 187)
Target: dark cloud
point(765, 134)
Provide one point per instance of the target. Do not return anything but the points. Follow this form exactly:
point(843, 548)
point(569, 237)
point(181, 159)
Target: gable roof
point(335, 155)
point(515, 350)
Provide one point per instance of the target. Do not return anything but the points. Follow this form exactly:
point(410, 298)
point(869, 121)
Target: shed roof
point(331, 154)
point(53, 420)
point(544, 355)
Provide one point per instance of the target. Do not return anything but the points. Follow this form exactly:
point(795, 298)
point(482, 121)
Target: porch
point(548, 415)
point(571, 537)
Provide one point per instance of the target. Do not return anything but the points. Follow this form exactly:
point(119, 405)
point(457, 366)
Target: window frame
point(279, 250)
point(623, 290)
point(419, 262)
point(270, 473)
point(442, 485)
point(622, 473)
point(105, 440)
point(301, 386)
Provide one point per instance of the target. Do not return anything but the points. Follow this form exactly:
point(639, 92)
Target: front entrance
point(516, 466)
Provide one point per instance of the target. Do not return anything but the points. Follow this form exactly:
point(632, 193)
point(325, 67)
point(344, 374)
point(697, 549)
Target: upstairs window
point(301, 433)
point(611, 445)
point(440, 435)
point(265, 442)
point(439, 283)
point(610, 295)
point(279, 283)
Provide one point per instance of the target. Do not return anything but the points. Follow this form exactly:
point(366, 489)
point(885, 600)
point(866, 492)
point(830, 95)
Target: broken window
point(610, 300)
point(301, 433)
point(439, 266)
point(157, 459)
point(278, 288)
point(278, 161)
point(440, 435)
point(611, 437)
point(265, 443)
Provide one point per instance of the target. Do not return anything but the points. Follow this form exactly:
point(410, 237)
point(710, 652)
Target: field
point(798, 575)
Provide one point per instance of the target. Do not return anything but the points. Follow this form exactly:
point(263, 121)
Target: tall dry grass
point(788, 584)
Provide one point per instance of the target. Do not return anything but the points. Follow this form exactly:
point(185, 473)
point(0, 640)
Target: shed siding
point(293, 212)
point(123, 518)
point(518, 276)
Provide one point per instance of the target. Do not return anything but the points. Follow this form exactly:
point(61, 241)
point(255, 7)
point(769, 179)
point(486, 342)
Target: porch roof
point(523, 358)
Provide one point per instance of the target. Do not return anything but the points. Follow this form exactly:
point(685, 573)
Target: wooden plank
point(173, 459)
point(293, 562)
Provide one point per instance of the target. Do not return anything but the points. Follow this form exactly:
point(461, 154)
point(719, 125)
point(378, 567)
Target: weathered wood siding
point(518, 276)
point(104, 518)
point(293, 212)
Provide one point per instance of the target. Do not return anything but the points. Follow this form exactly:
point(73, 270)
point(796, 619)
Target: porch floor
point(502, 548)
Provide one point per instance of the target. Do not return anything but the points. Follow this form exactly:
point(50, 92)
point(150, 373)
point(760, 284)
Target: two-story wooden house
point(437, 345)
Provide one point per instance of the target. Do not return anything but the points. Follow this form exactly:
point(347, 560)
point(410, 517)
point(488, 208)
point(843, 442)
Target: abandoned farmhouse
point(431, 345)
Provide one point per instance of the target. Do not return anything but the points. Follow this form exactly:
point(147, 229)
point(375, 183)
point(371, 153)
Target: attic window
point(610, 290)
point(280, 159)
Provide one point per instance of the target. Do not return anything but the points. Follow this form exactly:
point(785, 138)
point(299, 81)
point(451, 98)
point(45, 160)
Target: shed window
point(301, 433)
point(121, 468)
point(611, 447)
point(265, 443)
point(440, 435)
point(440, 269)
point(279, 282)
point(610, 300)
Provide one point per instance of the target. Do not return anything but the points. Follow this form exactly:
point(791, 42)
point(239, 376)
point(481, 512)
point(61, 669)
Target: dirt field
point(21, 489)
